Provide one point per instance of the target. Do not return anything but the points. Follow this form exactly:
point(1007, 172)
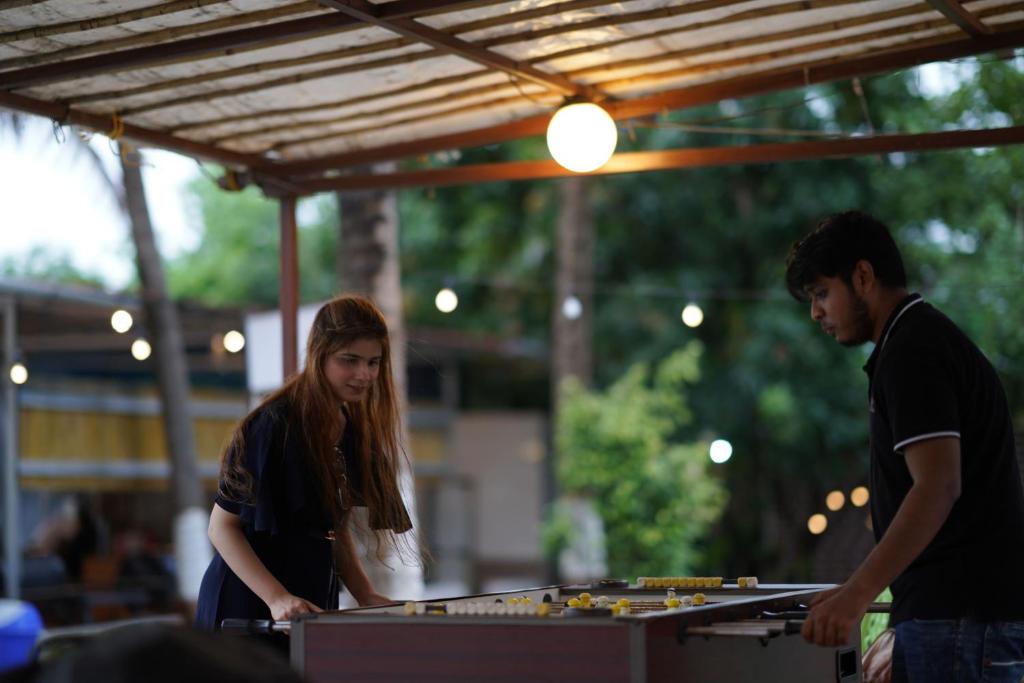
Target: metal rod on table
point(749, 629)
point(801, 611)
point(255, 626)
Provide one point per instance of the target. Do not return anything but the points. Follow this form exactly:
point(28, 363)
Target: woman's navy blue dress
point(285, 524)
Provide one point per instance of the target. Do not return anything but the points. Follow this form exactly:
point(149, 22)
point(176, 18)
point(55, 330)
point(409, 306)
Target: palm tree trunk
point(191, 548)
point(574, 277)
point(572, 314)
point(368, 263)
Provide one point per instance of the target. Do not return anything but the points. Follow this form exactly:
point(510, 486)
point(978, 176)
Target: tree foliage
point(44, 264)
point(620, 447)
point(236, 261)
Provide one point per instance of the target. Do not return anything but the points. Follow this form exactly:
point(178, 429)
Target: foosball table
point(687, 629)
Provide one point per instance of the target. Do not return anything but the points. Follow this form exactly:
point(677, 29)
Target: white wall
point(502, 452)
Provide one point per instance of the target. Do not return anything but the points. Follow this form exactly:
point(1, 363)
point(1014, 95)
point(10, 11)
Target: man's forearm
point(923, 512)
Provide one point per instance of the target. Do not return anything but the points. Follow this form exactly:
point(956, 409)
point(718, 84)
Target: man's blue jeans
point(958, 651)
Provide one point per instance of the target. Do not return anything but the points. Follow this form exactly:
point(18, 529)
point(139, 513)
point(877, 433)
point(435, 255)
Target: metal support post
point(11, 521)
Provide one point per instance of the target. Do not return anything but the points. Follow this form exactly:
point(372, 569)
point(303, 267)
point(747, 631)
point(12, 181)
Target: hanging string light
point(720, 451)
point(692, 315)
point(859, 496)
point(582, 137)
point(19, 373)
point(141, 349)
point(121, 321)
point(234, 341)
point(572, 307)
point(446, 300)
point(835, 500)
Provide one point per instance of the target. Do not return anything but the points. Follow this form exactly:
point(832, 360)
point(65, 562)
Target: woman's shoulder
point(269, 416)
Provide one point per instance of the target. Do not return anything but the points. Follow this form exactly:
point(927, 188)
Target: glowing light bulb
point(572, 308)
point(234, 341)
point(835, 500)
point(692, 315)
point(446, 300)
point(721, 451)
point(141, 349)
point(582, 137)
point(859, 496)
point(121, 321)
point(817, 524)
point(19, 373)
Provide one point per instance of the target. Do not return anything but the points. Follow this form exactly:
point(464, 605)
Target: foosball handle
point(793, 627)
point(249, 626)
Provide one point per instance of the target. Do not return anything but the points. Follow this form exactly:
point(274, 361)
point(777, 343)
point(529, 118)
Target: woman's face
point(353, 369)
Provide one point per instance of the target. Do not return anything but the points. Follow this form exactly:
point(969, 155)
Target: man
point(947, 505)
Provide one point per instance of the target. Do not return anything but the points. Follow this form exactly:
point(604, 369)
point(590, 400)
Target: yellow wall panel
point(427, 445)
point(71, 435)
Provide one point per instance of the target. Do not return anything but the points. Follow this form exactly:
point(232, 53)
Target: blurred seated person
point(71, 533)
point(143, 565)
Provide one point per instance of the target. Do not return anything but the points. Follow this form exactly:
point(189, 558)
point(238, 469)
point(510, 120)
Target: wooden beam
point(372, 14)
point(744, 86)
point(178, 85)
point(159, 35)
point(267, 179)
point(288, 287)
point(13, 4)
point(956, 13)
point(205, 46)
point(291, 79)
point(91, 23)
point(103, 124)
point(634, 162)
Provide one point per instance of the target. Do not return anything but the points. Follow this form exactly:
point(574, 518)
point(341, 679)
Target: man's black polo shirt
point(928, 380)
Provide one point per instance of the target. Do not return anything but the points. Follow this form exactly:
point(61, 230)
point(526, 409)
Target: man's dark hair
point(835, 247)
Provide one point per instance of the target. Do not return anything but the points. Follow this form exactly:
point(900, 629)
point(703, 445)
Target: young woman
point(296, 465)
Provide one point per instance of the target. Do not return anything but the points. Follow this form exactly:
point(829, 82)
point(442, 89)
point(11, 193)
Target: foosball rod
point(255, 626)
point(748, 629)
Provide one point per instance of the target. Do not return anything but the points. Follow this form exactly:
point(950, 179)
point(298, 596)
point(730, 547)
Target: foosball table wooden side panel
point(736, 659)
point(358, 651)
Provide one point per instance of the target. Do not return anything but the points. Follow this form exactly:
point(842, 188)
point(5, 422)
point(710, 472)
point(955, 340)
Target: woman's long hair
point(313, 408)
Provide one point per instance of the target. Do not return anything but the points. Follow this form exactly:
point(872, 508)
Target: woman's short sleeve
point(276, 488)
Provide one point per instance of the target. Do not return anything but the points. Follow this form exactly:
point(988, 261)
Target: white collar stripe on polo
point(896, 320)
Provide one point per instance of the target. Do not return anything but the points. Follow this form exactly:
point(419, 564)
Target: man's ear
point(863, 277)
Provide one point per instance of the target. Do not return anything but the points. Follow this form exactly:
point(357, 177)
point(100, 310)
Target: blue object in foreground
point(20, 625)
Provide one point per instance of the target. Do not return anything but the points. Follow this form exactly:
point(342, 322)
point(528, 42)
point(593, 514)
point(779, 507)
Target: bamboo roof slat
point(208, 45)
point(956, 13)
point(159, 35)
point(273, 64)
point(109, 20)
point(279, 64)
point(380, 116)
point(370, 13)
point(291, 90)
point(602, 47)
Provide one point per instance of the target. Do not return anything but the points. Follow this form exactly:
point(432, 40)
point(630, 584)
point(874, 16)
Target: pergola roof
point(293, 93)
